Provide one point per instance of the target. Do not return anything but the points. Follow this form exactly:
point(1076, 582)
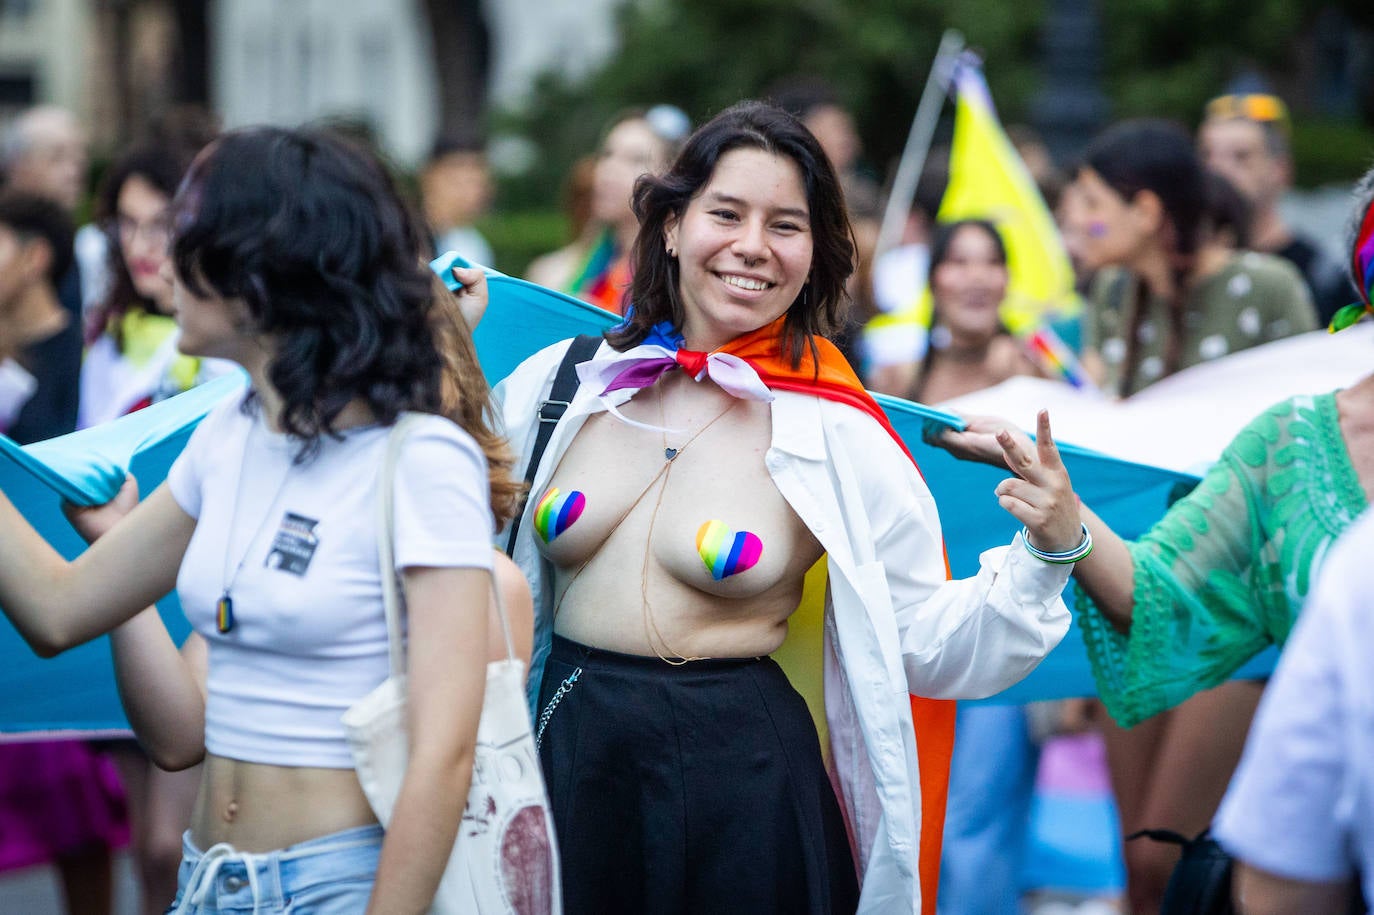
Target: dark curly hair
point(33, 217)
point(661, 199)
point(309, 232)
point(162, 167)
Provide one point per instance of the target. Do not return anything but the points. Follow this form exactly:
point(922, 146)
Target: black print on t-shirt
point(294, 546)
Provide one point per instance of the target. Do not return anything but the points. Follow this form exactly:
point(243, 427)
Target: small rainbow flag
point(1049, 351)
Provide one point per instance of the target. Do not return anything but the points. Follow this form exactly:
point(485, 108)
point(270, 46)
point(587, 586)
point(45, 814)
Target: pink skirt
point(57, 798)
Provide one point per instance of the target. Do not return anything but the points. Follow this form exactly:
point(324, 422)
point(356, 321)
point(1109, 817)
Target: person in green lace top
point(1223, 574)
point(1219, 578)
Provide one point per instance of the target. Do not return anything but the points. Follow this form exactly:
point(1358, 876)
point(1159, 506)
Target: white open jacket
point(893, 624)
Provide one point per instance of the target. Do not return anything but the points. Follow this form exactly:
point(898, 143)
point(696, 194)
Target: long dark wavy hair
point(162, 166)
point(310, 233)
point(661, 199)
point(1149, 154)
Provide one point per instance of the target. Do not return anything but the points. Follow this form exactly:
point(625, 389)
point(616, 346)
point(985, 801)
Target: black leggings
point(692, 788)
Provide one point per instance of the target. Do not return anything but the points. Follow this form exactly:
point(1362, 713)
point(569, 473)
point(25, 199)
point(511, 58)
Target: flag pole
point(918, 142)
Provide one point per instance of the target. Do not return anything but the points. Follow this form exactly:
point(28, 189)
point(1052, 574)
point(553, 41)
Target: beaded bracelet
point(1068, 557)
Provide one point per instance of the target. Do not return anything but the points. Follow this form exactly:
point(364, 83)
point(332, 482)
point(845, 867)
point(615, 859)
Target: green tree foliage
point(1159, 57)
point(703, 55)
point(1167, 57)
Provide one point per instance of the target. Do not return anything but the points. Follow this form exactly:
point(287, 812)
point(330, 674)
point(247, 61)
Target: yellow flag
point(988, 180)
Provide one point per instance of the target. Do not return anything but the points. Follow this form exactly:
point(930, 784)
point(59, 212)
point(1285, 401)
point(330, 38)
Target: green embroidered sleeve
point(1223, 574)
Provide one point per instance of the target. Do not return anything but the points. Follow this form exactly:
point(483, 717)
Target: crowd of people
point(684, 771)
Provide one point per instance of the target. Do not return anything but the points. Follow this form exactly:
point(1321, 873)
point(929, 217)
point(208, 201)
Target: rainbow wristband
point(1068, 557)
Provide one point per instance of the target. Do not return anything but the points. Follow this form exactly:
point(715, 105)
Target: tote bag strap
point(386, 553)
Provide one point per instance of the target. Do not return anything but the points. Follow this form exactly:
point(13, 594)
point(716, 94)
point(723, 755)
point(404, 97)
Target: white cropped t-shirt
point(296, 546)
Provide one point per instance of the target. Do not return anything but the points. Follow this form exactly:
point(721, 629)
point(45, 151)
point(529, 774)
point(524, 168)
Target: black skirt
point(684, 789)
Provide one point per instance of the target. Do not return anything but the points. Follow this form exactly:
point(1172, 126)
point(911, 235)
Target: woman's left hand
point(472, 296)
point(1040, 496)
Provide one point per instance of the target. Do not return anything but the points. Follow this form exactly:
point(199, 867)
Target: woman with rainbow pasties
point(716, 419)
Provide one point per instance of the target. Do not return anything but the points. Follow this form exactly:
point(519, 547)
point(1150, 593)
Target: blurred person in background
point(817, 105)
point(1245, 138)
point(1138, 206)
point(900, 330)
point(35, 329)
point(44, 152)
point(636, 142)
point(1221, 577)
point(132, 359)
point(1299, 814)
point(60, 802)
point(131, 362)
point(576, 198)
point(455, 190)
point(1175, 298)
point(969, 348)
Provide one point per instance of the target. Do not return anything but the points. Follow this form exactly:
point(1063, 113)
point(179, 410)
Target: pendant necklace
point(224, 608)
point(652, 634)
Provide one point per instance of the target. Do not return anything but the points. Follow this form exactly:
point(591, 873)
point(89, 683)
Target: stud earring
point(672, 252)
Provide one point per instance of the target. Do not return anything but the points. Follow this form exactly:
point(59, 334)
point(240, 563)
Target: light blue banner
point(75, 692)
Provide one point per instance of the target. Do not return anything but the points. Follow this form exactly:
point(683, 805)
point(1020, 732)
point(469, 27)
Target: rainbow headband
point(1362, 268)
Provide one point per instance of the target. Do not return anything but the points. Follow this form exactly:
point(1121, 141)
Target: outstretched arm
point(56, 605)
point(1108, 573)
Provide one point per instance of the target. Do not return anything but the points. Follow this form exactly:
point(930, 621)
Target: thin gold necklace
point(670, 455)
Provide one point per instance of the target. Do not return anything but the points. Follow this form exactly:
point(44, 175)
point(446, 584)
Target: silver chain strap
point(544, 716)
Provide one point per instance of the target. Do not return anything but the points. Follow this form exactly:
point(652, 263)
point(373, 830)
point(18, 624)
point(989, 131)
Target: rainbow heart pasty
point(727, 552)
point(557, 511)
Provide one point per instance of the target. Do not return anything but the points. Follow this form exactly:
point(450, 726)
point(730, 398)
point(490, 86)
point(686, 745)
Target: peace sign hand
point(1040, 496)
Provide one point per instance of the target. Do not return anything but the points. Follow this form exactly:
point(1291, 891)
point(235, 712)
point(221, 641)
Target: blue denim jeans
point(987, 825)
point(331, 875)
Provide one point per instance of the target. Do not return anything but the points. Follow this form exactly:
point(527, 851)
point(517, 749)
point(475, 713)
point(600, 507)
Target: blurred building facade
point(371, 62)
point(43, 52)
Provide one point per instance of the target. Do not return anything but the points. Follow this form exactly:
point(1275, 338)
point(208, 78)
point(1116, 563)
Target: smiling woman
point(672, 520)
point(743, 248)
point(969, 348)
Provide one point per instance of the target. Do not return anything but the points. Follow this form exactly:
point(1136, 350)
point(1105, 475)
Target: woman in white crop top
point(293, 256)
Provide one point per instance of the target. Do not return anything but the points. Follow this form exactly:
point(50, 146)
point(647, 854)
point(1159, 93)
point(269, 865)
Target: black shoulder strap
point(582, 348)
